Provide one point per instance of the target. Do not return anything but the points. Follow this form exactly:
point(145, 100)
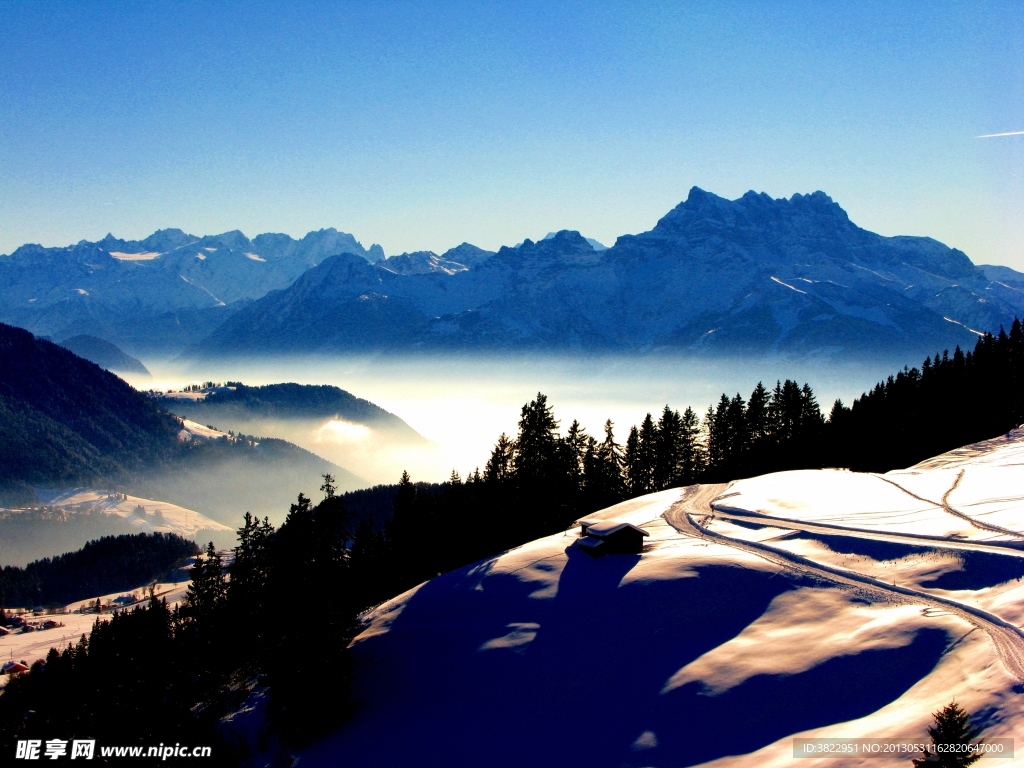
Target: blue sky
point(421, 125)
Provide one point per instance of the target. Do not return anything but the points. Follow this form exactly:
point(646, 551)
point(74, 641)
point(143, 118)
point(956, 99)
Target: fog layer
point(462, 403)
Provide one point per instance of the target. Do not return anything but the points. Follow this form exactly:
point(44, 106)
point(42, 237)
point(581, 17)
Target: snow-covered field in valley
point(800, 604)
point(79, 620)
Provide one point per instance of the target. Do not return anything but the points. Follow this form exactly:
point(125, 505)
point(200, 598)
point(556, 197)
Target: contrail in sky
point(994, 135)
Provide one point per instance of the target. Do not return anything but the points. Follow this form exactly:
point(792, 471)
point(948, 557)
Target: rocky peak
point(467, 254)
point(420, 263)
point(703, 211)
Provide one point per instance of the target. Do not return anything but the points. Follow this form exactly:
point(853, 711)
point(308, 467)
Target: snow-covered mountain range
point(161, 292)
point(755, 275)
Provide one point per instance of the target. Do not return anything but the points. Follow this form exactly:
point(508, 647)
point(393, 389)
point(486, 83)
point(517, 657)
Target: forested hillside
point(539, 481)
point(65, 421)
point(109, 564)
point(238, 402)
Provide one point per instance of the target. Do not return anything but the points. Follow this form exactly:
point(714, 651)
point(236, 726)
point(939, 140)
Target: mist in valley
point(460, 404)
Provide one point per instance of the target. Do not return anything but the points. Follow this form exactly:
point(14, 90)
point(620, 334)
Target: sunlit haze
point(463, 404)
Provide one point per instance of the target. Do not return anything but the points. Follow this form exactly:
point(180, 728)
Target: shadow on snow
point(475, 671)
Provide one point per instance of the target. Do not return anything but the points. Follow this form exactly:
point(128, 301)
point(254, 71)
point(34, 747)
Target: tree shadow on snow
point(476, 671)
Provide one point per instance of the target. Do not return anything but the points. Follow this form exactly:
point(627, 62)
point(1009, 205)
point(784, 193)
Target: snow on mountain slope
point(731, 634)
point(147, 515)
point(973, 493)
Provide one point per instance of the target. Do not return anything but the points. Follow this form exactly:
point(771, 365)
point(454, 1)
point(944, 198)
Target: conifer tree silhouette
point(952, 728)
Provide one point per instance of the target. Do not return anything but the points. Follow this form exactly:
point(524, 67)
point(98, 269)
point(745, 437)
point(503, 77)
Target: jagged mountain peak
point(468, 254)
point(420, 263)
point(234, 239)
point(596, 245)
point(565, 240)
point(702, 208)
point(754, 275)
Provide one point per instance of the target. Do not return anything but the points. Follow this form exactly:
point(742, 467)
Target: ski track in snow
point(955, 512)
point(1007, 639)
point(1009, 549)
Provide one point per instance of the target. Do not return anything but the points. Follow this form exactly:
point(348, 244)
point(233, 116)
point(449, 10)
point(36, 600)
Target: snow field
point(713, 648)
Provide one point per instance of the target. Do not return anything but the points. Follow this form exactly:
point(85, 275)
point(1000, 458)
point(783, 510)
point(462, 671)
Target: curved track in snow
point(1007, 639)
point(1009, 549)
point(955, 512)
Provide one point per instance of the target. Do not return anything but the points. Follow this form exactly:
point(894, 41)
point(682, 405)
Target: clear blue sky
point(420, 125)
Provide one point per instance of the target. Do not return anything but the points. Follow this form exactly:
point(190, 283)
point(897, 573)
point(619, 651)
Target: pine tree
point(757, 415)
point(716, 427)
point(669, 446)
point(692, 458)
point(328, 487)
point(404, 500)
point(575, 442)
point(536, 444)
point(631, 462)
point(737, 434)
point(499, 466)
point(603, 481)
point(207, 590)
point(952, 726)
point(642, 476)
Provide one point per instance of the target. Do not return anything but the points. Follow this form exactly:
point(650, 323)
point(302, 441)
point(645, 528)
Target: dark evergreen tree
point(717, 436)
point(542, 471)
point(757, 415)
point(604, 484)
point(309, 574)
point(499, 466)
point(737, 439)
point(952, 728)
point(640, 458)
point(692, 458)
point(576, 441)
point(208, 588)
point(669, 448)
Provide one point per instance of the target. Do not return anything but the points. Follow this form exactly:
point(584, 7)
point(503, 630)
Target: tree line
point(108, 564)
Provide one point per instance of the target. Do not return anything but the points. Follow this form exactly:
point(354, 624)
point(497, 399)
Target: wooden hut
point(606, 537)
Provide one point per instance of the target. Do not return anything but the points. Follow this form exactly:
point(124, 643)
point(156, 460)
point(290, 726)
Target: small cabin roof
point(603, 528)
point(590, 542)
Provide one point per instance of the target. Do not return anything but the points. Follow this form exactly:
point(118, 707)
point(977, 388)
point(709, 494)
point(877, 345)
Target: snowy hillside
point(812, 604)
point(144, 515)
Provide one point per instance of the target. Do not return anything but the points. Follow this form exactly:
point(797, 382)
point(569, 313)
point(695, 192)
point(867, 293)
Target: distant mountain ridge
point(162, 292)
point(749, 276)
